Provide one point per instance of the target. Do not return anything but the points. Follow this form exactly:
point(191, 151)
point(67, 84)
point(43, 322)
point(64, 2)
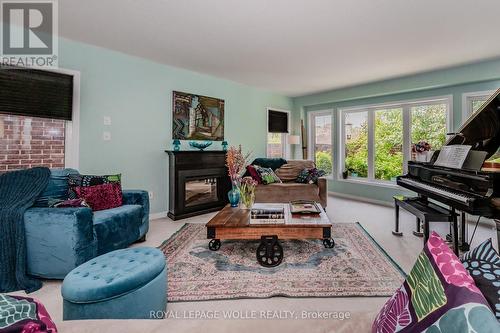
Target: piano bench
point(425, 212)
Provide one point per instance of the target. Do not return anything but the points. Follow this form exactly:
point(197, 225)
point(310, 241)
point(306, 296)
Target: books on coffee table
point(268, 214)
point(284, 215)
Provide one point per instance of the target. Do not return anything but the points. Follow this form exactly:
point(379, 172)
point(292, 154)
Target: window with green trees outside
point(377, 140)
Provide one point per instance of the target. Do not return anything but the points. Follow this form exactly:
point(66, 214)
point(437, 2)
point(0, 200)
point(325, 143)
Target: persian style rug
point(356, 266)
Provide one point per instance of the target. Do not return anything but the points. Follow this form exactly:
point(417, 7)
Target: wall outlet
point(151, 195)
point(107, 120)
point(106, 136)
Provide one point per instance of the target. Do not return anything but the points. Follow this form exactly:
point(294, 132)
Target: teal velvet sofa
point(60, 239)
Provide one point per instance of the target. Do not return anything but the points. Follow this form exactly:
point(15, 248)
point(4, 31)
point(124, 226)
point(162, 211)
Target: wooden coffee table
point(234, 224)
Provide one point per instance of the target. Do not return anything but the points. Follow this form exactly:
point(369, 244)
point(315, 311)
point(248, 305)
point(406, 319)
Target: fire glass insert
point(200, 191)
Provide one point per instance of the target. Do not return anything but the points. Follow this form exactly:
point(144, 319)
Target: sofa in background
point(290, 190)
point(60, 239)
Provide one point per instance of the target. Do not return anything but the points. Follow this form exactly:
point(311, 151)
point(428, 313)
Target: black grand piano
point(474, 191)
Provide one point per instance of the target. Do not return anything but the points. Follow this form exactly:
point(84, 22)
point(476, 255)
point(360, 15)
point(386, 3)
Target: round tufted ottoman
point(123, 284)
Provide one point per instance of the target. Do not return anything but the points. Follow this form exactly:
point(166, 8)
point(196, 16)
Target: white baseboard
point(362, 199)
point(156, 216)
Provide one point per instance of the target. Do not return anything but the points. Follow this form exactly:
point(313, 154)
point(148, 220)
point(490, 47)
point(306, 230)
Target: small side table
point(425, 212)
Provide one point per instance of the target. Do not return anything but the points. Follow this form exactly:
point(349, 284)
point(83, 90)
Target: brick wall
point(27, 142)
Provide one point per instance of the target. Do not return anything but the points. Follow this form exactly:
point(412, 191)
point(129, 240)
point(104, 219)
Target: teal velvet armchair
point(60, 239)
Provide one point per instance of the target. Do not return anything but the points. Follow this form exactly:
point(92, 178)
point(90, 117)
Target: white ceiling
point(294, 47)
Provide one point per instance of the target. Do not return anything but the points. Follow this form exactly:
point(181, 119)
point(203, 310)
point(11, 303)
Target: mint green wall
point(453, 81)
point(137, 94)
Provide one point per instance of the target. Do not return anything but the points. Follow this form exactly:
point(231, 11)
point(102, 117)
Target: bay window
point(376, 140)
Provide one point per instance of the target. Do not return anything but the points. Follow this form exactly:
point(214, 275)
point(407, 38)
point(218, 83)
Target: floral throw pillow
point(302, 177)
point(438, 295)
point(267, 175)
point(101, 197)
point(309, 176)
point(483, 264)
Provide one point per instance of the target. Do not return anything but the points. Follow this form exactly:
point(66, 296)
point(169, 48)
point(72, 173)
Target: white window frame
point(286, 151)
point(406, 106)
point(72, 128)
point(312, 136)
point(468, 98)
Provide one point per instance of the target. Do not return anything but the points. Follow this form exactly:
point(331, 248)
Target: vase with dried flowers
point(247, 192)
point(235, 162)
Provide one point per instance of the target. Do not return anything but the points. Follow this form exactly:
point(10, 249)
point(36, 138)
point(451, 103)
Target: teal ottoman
point(123, 284)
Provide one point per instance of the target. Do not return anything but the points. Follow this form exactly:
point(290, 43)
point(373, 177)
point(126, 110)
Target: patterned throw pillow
point(309, 176)
point(101, 197)
point(438, 295)
point(483, 263)
point(302, 177)
point(314, 175)
point(267, 175)
point(89, 180)
point(24, 314)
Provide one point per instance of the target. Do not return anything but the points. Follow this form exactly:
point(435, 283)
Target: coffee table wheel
point(269, 252)
point(214, 244)
point(329, 243)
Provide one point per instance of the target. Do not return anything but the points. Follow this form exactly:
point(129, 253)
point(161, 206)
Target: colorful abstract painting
point(197, 117)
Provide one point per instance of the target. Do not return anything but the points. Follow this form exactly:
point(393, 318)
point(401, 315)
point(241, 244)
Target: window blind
point(36, 93)
point(277, 122)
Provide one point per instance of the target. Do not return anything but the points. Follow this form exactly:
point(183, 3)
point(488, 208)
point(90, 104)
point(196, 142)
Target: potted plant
point(421, 151)
point(247, 192)
point(346, 172)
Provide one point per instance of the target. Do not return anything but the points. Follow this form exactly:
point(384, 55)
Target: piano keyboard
point(438, 190)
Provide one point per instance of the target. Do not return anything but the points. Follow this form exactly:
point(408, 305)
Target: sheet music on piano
point(453, 156)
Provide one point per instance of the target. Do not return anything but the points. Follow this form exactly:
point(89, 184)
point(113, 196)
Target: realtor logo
point(29, 33)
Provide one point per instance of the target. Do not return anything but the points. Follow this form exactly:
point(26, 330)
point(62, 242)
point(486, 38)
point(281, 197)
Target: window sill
point(378, 183)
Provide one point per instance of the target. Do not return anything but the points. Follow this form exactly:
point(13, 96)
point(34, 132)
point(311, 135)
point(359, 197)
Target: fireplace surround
point(198, 182)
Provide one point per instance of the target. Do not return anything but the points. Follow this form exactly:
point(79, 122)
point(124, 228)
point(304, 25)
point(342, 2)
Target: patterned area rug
point(356, 266)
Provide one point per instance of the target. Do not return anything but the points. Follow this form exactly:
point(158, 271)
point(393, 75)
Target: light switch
point(107, 120)
point(106, 136)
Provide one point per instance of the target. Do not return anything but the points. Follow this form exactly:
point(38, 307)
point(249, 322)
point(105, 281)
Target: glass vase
point(247, 200)
point(234, 196)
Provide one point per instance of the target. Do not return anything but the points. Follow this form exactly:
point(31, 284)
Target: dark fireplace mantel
point(198, 182)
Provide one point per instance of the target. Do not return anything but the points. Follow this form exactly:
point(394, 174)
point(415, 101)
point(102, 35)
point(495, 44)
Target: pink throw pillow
point(101, 197)
point(254, 174)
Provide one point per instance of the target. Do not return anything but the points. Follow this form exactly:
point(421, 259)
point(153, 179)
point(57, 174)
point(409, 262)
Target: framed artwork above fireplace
point(197, 117)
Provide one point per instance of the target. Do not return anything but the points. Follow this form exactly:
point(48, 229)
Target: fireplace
point(200, 191)
point(198, 182)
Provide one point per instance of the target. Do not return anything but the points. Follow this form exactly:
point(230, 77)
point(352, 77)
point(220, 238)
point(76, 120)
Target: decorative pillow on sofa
point(89, 180)
point(309, 176)
point(101, 197)
point(254, 174)
point(438, 295)
point(302, 177)
point(24, 314)
point(483, 264)
point(273, 163)
point(267, 175)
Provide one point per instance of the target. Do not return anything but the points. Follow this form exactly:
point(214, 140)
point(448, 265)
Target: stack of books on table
point(267, 214)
